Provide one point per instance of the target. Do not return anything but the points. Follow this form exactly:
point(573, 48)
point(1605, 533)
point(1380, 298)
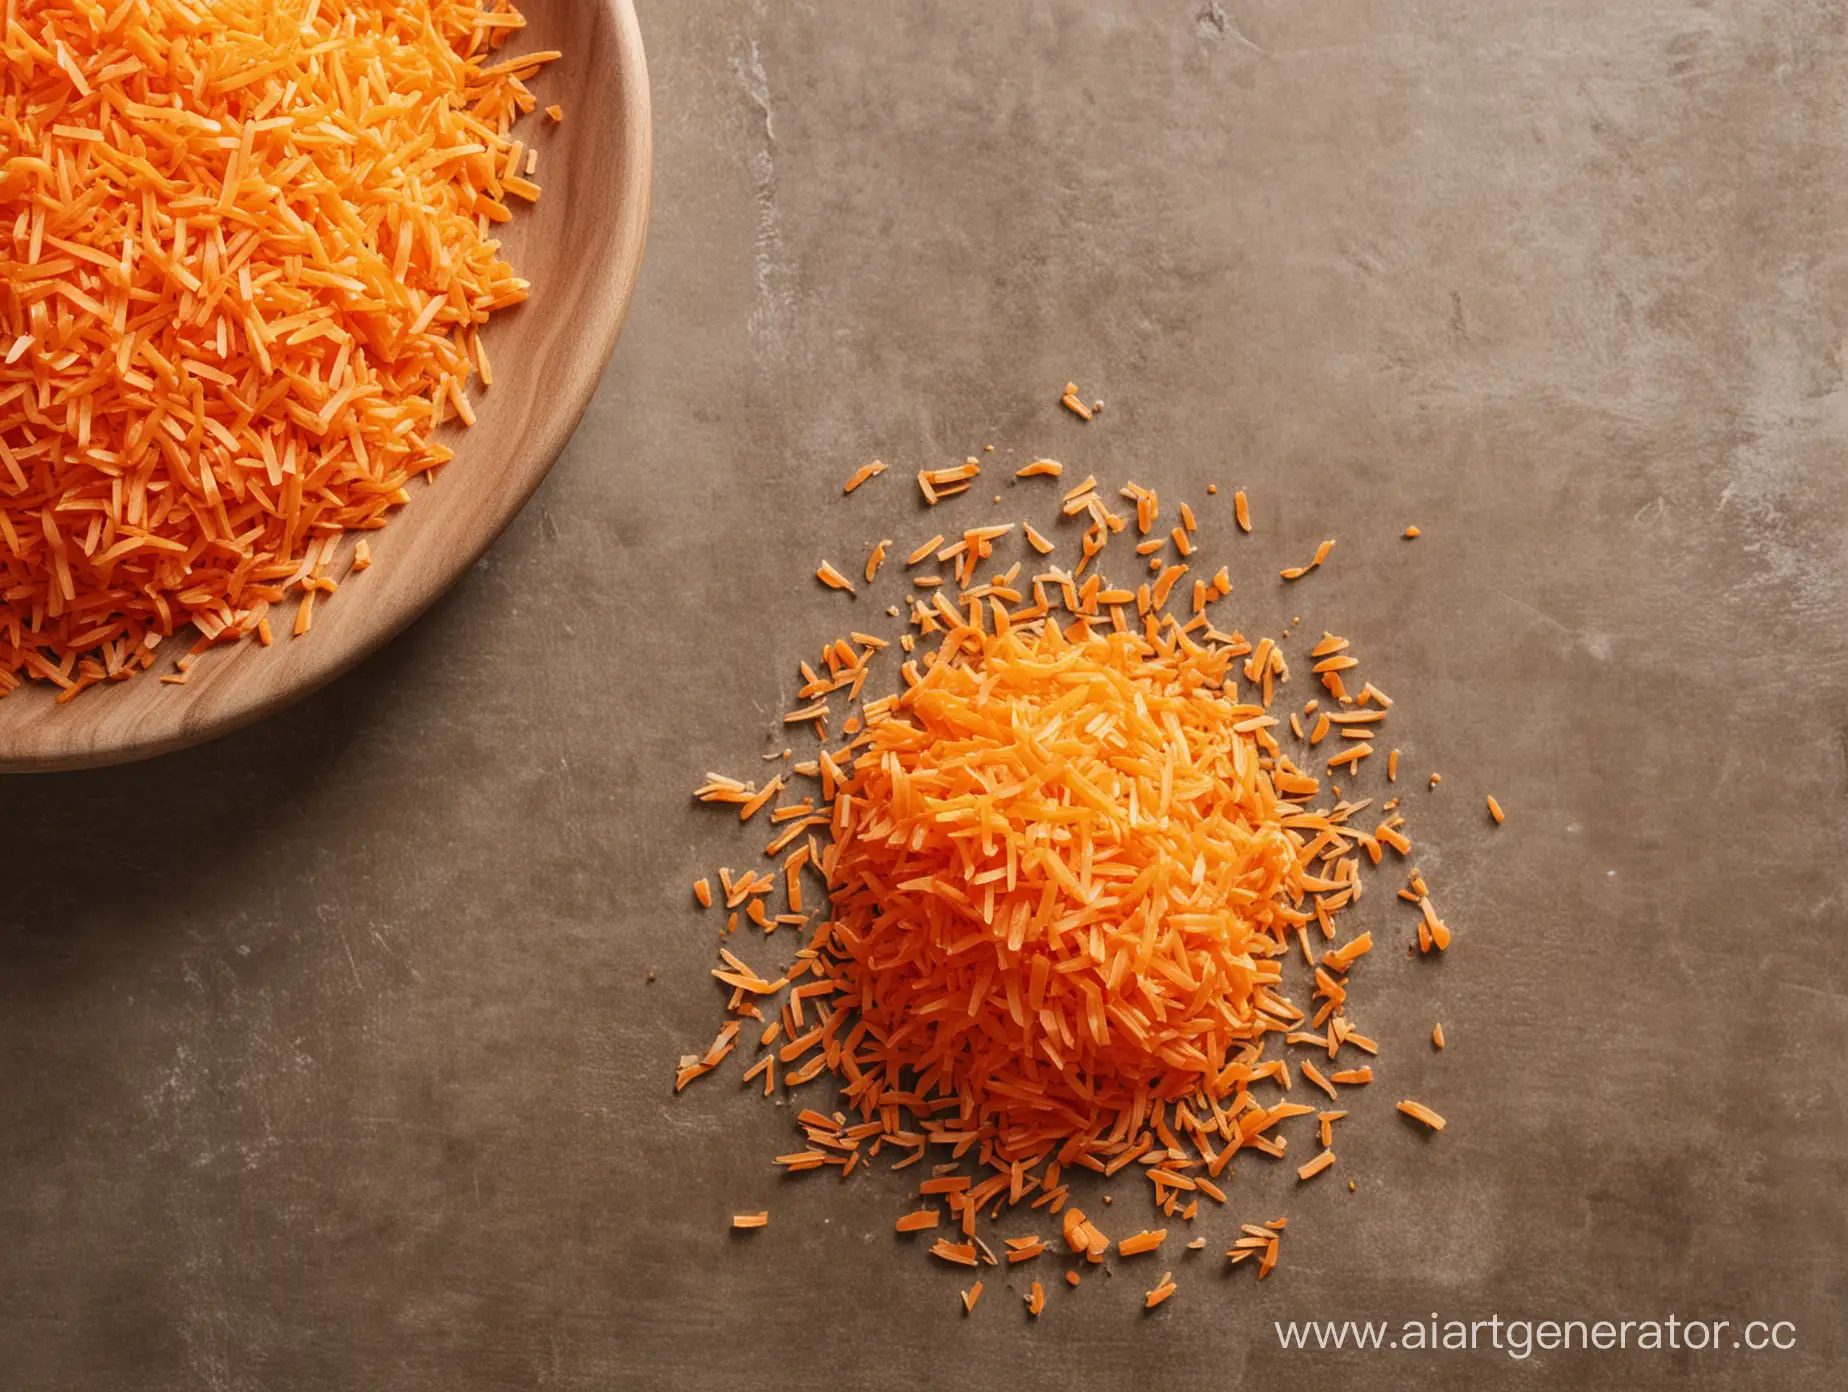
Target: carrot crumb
point(1495, 810)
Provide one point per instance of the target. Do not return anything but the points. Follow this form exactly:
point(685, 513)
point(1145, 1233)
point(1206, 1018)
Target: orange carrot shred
point(1419, 1112)
point(862, 474)
point(1065, 858)
point(876, 559)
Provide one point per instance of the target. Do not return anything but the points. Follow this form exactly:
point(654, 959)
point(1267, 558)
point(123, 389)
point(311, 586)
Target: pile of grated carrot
point(1066, 864)
point(247, 259)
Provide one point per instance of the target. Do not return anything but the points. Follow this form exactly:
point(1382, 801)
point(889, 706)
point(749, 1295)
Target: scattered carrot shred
point(1321, 554)
point(833, 579)
point(751, 1220)
point(1495, 810)
point(1315, 1167)
point(1437, 1036)
point(1141, 1242)
point(1241, 510)
point(702, 891)
point(862, 474)
point(1417, 1111)
point(1162, 1291)
point(1049, 468)
point(1412, 533)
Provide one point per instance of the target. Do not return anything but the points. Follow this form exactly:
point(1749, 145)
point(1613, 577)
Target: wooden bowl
point(581, 246)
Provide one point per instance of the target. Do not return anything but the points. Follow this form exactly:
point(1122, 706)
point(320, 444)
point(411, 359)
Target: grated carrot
point(1241, 509)
point(1141, 1242)
point(1050, 468)
point(1412, 533)
point(862, 474)
point(751, 1220)
point(1437, 1036)
point(1066, 860)
point(833, 579)
point(876, 559)
point(1495, 810)
point(1321, 554)
point(1162, 1291)
point(960, 1253)
point(1419, 1112)
point(1315, 1167)
point(248, 257)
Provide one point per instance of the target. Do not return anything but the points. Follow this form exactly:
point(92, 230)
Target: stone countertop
point(338, 1053)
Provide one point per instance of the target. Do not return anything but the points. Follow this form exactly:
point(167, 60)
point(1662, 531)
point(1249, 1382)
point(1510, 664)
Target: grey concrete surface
point(337, 1054)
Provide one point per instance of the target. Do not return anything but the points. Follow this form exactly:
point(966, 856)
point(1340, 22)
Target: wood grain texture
point(581, 247)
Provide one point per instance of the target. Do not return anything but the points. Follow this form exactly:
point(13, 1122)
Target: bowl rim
point(597, 319)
